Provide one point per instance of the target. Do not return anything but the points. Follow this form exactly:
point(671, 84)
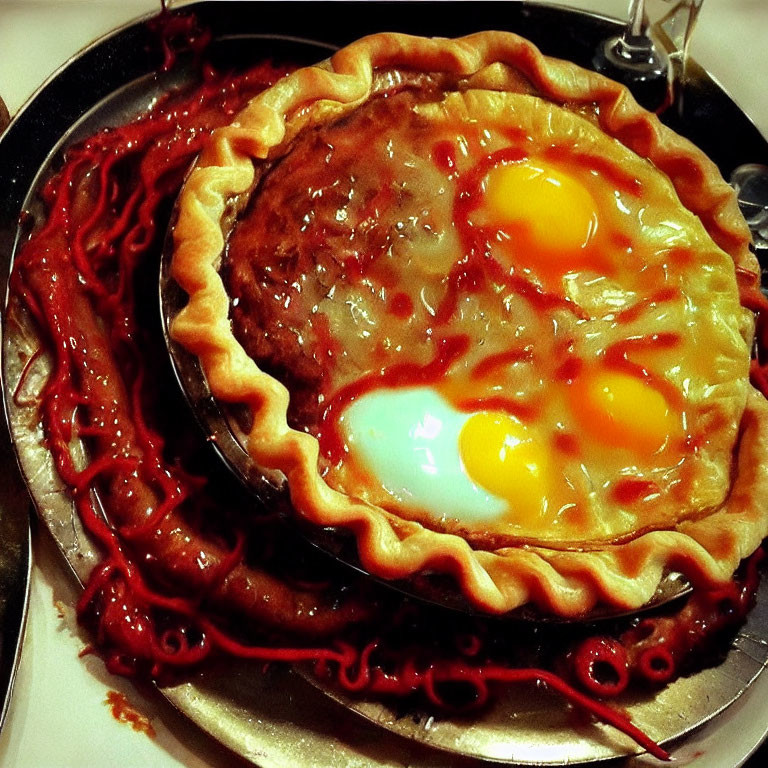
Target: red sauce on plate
point(124, 712)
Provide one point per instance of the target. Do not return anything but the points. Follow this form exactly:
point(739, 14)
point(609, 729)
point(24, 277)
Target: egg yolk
point(558, 212)
point(620, 410)
point(501, 455)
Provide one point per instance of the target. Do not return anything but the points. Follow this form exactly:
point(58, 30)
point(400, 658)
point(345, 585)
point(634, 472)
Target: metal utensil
point(633, 59)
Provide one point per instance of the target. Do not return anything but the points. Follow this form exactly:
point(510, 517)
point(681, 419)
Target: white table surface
point(58, 718)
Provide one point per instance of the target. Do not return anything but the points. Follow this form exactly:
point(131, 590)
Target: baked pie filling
point(486, 314)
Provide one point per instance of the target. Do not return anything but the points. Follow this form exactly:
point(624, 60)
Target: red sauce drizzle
point(630, 314)
point(569, 370)
point(504, 404)
point(630, 490)
point(492, 363)
point(620, 180)
point(681, 257)
point(401, 305)
point(328, 346)
point(567, 443)
point(444, 156)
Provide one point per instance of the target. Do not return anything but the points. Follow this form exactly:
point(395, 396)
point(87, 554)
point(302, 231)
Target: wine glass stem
point(636, 25)
point(631, 58)
point(634, 46)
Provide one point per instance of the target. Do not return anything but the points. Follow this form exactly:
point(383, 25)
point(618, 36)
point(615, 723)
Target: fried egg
point(555, 209)
point(619, 410)
point(430, 456)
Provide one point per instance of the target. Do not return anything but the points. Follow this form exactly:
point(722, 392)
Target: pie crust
point(568, 577)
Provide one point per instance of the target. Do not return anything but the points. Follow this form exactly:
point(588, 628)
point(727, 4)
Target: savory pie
point(484, 312)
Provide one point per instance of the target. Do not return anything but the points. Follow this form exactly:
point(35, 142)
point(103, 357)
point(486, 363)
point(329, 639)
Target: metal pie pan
point(278, 719)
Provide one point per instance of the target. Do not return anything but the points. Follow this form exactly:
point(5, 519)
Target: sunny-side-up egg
point(619, 410)
point(545, 218)
point(428, 455)
point(558, 212)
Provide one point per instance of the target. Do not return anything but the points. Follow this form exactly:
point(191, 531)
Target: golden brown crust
point(567, 583)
